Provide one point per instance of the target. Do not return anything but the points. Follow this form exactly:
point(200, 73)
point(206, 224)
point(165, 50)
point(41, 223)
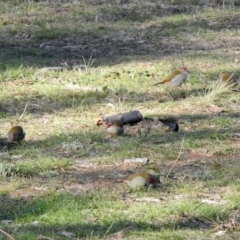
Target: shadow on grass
point(53, 213)
point(63, 97)
point(51, 104)
point(221, 129)
point(59, 152)
point(116, 35)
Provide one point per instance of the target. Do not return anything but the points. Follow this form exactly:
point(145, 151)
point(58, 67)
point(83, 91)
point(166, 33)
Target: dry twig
point(180, 152)
point(8, 235)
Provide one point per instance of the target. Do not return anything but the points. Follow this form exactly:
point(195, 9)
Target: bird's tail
point(162, 82)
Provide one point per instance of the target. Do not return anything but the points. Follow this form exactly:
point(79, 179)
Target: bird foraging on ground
point(156, 124)
point(16, 134)
point(115, 128)
point(227, 78)
point(169, 124)
point(141, 179)
point(176, 78)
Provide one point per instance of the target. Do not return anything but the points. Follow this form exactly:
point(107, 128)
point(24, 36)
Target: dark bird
point(170, 124)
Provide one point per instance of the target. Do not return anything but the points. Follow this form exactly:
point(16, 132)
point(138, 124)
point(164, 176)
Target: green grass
point(111, 55)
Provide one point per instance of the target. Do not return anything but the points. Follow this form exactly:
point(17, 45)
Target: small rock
point(68, 234)
point(35, 223)
point(52, 69)
point(7, 222)
point(137, 160)
point(148, 199)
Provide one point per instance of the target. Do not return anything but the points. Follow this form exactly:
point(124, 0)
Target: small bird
point(176, 78)
point(170, 124)
point(115, 128)
point(16, 134)
point(141, 179)
point(167, 124)
point(227, 79)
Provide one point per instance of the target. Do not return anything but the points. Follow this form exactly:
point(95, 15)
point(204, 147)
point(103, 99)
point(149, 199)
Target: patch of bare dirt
point(29, 192)
point(194, 166)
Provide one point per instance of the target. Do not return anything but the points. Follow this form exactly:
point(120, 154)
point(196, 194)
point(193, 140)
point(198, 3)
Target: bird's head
point(223, 73)
point(184, 69)
point(116, 123)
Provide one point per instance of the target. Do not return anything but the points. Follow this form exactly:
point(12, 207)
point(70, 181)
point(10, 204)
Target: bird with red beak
point(141, 179)
point(115, 128)
point(176, 78)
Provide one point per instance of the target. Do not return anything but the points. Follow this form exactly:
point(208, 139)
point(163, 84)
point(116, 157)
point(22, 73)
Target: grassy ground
point(63, 181)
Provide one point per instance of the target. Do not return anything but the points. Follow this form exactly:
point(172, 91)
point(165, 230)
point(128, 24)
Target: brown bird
point(227, 78)
point(176, 78)
point(115, 128)
point(141, 179)
point(16, 134)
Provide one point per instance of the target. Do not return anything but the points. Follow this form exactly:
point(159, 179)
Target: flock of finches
point(115, 128)
point(175, 79)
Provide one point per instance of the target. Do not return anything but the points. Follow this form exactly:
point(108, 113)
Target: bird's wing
point(170, 77)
